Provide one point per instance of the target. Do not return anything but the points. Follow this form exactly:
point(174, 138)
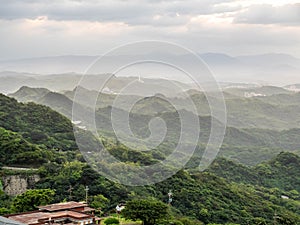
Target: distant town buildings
point(293, 88)
point(253, 94)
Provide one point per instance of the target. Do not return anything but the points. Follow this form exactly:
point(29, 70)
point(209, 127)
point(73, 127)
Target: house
point(67, 213)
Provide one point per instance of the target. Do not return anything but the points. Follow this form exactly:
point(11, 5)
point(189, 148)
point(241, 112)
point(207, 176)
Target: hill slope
point(36, 123)
point(249, 146)
point(281, 172)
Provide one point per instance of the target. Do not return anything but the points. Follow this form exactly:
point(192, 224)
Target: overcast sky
point(32, 28)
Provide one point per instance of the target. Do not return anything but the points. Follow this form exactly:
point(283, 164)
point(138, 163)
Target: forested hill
point(281, 172)
point(249, 146)
point(15, 150)
point(37, 124)
point(276, 108)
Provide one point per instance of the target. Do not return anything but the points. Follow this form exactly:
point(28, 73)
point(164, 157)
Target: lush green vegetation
point(280, 172)
point(31, 199)
point(37, 124)
point(111, 221)
point(14, 149)
point(150, 211)
point(258, 130)
point(227, 193)
point(200, 196)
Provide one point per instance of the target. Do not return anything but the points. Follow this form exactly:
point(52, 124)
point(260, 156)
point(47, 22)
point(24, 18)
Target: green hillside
point(281, 172)
point(282, 99)
point(28, 94)
point(37, 124)
point(279, 111)
point(15, 150)
point(248, 146)
point(203, 196)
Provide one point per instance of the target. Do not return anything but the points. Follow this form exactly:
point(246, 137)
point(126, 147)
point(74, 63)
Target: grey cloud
point(218, 8)
point(267, 14)
point(134, 12)
point(234, 40)
point(73, 10)
point(167, 20)
point(195, 7)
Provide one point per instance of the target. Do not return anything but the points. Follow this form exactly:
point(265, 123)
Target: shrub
point(111, 220)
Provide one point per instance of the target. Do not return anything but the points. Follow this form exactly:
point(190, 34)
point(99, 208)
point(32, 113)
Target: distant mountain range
point(257, 128)
point(266, 107)
point(108, 83)
point(279, 69)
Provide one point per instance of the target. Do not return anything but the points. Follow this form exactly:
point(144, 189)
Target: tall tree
point(147, 210)
point(31, 199)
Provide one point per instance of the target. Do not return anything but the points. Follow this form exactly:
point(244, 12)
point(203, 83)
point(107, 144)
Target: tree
point(148, 210)
point(204, 215)
point(99, 202)
point(111, 221)
point(31, 199)
point(1, 188)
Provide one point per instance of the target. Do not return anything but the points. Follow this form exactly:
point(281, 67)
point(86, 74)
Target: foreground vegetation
point(199, 196)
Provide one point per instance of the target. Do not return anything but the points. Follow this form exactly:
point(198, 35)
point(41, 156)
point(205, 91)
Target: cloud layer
point(267, 14)
point(32, 28)
point(134, 12)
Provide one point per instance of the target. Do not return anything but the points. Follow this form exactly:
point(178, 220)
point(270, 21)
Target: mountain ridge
point(264, 67)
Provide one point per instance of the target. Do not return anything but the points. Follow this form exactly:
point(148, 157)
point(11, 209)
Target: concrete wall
point(18, 184)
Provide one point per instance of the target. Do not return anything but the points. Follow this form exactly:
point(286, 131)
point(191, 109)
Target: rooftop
point(30, 218)
point(41, 217)
point(69, 212)
point(62, 206)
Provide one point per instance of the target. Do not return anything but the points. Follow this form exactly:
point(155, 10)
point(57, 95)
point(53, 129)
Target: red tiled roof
point(71, 210)
point(30, 218)
point(42, 217)
point(73, 214)
point(62, 206)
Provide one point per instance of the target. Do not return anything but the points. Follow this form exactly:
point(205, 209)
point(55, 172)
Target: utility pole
point(170, 195)
point(70, 192)
point(86, 194)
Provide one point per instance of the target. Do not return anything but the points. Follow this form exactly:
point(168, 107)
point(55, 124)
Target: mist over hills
point(269, 108)
point(272, 68)
point(108, 83)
